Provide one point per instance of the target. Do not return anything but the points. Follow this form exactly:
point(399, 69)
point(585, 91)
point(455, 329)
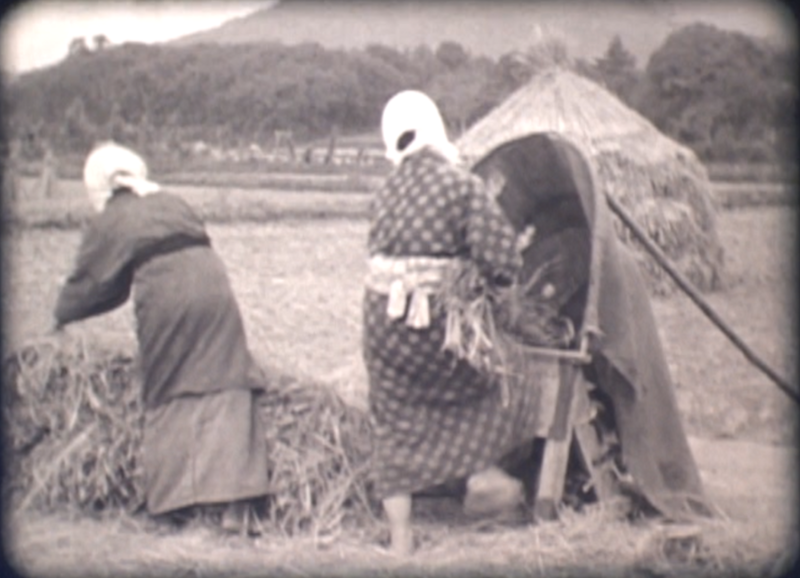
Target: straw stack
point(659, 181)
point(73, 422)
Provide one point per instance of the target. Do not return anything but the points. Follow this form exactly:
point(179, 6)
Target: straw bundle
point(676, 210)
point(73, 428)
point(74, 422)
point(471, 333)
point(489, 327)
point(319, 450)
point(632, 162)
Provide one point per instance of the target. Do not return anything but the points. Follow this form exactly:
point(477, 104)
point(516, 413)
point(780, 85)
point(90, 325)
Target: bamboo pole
point(698, 300)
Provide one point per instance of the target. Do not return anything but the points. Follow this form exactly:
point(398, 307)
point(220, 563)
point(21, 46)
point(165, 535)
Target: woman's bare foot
point(398, 511)
point(491, 492)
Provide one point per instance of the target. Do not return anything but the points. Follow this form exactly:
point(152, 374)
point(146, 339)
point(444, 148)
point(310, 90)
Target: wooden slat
point(572, 421)
point(553, 472)
point(562, 418)
point(588, 444)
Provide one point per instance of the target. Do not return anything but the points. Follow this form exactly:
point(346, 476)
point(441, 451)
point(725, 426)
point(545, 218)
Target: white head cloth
point(110, 166)
point(410, 122)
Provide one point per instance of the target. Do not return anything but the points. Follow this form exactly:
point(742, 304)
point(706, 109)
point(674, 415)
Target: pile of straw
point(673, 205)
point(74, 420)
point(319, 449)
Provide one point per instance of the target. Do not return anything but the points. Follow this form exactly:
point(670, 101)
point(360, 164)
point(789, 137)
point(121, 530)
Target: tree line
point(728, 96)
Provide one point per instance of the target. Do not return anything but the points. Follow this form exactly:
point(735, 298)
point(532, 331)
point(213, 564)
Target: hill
point(736, 91)
point(492, 28)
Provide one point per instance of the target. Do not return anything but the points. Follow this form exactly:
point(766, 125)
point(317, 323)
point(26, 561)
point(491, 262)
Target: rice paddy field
point(296, 260)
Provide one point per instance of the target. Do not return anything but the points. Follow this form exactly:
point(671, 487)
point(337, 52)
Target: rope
point(695, 296)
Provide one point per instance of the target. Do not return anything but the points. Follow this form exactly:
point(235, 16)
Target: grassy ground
point(299, 284)
point(718, 389)
point(758, 539)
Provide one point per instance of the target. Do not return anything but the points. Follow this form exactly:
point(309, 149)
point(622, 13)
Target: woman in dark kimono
point(203, 442)
point(436, 418)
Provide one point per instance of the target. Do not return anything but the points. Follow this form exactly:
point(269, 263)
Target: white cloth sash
point(401, 277)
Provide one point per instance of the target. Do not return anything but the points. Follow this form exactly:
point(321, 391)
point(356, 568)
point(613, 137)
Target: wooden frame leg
point(603, 480)
point(553, 472)
point(555, 459)
point(572, 423)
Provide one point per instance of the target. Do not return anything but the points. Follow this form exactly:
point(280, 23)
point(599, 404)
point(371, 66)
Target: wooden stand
point(570, 414)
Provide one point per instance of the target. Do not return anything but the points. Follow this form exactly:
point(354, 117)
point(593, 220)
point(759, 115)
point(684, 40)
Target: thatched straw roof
point(660, 181)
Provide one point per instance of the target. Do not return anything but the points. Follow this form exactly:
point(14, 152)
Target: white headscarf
point(110, 166)
point(410, 122)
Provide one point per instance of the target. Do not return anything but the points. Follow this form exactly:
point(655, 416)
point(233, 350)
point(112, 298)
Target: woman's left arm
point(491, 238)
point(101, 280)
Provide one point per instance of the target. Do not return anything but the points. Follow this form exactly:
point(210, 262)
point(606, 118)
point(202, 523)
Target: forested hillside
point(729, 96)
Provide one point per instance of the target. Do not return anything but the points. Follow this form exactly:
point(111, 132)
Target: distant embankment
point(228, 197)
point(742, 195)
point(354, 182)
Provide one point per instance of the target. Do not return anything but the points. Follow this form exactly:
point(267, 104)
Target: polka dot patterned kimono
point(435, 417)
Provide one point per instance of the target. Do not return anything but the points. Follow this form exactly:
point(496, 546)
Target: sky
point(36, 33)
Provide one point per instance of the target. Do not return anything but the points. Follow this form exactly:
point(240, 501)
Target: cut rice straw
point(74, 424)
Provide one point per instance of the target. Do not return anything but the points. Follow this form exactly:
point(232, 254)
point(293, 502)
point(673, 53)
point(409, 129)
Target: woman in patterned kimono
point(203, 442)
point(436, 418)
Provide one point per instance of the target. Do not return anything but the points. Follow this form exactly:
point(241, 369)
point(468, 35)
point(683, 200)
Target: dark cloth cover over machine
point(577, 268)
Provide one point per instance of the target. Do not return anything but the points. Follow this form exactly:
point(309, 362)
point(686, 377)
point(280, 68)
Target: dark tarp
point(547, 182)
